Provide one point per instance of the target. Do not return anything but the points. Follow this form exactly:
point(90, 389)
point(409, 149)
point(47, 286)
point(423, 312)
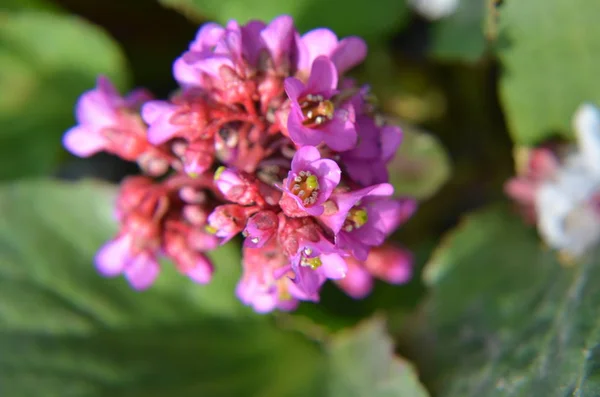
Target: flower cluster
point(559, 188)
point(265, 138)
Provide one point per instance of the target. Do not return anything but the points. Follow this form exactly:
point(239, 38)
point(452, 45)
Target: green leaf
point(345, 17)
point(460, 36)
point(66, 331)
point(505, 318)
point(12, 5)
point(47, 61)
point(550, 50)
point(421, 166)
point(363, 364)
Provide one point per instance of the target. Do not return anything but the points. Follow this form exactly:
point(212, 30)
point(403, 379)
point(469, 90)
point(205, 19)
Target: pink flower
point(366, 217)
point(344, 54)
point(367, 162)
point(358, 283)
point(260, 228)
point(188, 259)
point(185, 116)
point(107, 122)
point(311, 180)
point(228, 220)
point(313, 257)
point(237, 48)
point(391, 264)
point(312, 267)
point(313, 117)
point(116, 257)
point(265, 283)
point(259, 104)
point(235, 186)
point(206, 38)
point(387, 263)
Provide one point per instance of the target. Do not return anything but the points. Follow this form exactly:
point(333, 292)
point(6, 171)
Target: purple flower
point(344, 54)
point(115, 258)
point(207, 37)
point(366, 163)
point(236, 47)
point(158, 115)
point(311, 180)
point(314, 263)
point(101, 110)
point(313, 116)
point(265, 284)
point(366, 217)
point(278, 37)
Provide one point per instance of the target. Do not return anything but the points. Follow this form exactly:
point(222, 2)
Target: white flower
point(435, 9)
point(568, 218)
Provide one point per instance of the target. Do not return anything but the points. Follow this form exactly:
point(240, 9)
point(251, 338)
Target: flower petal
point(208, 35)
point(349, 52)
point(300, 134)
point(334, 266)
point(202, 272)
point(113, 256)
point(391, 138)
point(157, 114)
point(315, 43)
point(323, 76)
point(186, 74)
point(83, 141)
point(358, 283)
point(293, 88)
point(142, 271)
point(278, 36)
point(587, 128)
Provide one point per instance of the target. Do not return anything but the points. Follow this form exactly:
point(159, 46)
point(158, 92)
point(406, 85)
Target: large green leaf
point(505, 318)
point(345, 17)
point(550, 50)
point(47, 62)
point(363, 365)
point(66, 331)
point(460, 36)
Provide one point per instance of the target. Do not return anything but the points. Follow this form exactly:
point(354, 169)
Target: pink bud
point(235, 187)
point(260, 228)
point(390, 264)
point(199, 156)
point(358, 282)
point(227, 220)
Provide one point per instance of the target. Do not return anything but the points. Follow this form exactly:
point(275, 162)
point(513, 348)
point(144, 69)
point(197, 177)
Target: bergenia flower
point(561, 194)
point(311, 180)
point(313, 116)
point(391, 264)
point(366, 217)
point(367, 162)
point(265, 284)
point(262, 144)
point(116, 257)
point(345, 53)
point(107, 122)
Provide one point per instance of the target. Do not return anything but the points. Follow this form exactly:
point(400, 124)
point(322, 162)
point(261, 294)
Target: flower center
point(316, 110)
point(305, 185)
point(313, 263)
point(355, 219)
